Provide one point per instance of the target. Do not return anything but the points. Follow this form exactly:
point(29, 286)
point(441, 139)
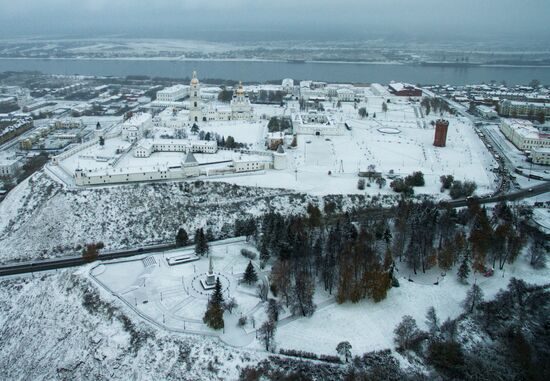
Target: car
point(308, 141)
point(530, 189)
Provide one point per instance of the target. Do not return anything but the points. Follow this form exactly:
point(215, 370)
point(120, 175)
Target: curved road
point(58, 263)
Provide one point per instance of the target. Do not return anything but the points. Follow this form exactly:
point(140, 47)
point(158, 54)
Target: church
point(240, 107)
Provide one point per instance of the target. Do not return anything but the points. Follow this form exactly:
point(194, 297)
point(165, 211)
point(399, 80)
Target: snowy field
point(369, 143)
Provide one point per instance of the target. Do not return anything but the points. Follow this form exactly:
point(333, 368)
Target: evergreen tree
point(432, 321)
point(273, 309)
point(201, 243)
point(213, 317)
point(264, 253)
point(181, 238)
point(464, 270)
point(344, 349)
point(195, 128)
point(473, 298)
point(250, 275)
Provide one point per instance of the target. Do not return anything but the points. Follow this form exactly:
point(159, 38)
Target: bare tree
point(266, 333)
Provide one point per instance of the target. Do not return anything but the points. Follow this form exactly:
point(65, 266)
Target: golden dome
point(194, 80)
point(240, 90)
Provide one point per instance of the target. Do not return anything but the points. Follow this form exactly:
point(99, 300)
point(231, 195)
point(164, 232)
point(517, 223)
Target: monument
point(209, 282)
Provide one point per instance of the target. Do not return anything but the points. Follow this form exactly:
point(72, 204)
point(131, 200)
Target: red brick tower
point(441, 127)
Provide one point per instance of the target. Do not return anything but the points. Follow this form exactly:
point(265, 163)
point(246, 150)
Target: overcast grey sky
point(177, 18)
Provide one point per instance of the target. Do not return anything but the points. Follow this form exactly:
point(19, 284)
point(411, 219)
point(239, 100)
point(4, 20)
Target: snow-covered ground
point(172, 295)
point(369, 326)
point(41, 219)
point(62, 326)
point(368, 143)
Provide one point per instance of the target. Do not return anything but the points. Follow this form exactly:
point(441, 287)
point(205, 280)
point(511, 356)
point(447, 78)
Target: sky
point(256, 19)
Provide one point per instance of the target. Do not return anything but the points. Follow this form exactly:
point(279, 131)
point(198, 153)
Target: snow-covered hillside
point(41, 219)
point(59, 327)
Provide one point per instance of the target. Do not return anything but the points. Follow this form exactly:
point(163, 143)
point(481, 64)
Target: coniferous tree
point(432, 320)
point(213, 317)
point(201, 243)
point(264, 253)
point(273, 309)
point(344, 349)
point(473, 298)
point(464, 270)
point(181, 238)
point(250, 275)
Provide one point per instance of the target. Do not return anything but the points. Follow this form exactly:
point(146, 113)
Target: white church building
point(240, 107)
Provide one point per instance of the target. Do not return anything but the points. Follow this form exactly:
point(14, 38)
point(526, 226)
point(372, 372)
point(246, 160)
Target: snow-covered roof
point(190, 159)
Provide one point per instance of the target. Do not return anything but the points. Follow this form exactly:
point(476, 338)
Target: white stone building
point(540, 155)
point(173, 93)
point(172, 118)
point(146, 147)
point(248, 164)
point(189, 168)
point(345, 95)
point(195, 104)
point(526, 109)
point(315, 123)
point(9, 167)
point(280, 158)
point(240, 107)
point(523, 134)
point(134, 127)
point(288, 85)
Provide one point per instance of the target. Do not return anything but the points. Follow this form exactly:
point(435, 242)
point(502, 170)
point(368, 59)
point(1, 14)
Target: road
point(370, 213)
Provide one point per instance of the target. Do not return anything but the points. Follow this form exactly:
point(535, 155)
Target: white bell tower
point(195, 107)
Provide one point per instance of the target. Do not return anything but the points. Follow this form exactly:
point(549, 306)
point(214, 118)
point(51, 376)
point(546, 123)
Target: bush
point(248, 254)
point(446, 181)
point(242, 321)
point(462, 190)
point(361, 184)
point(330, 358)
point(399, 186)
point(301, 354)
point(415, 180)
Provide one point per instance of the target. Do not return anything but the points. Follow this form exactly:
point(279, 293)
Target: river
point(272, 70)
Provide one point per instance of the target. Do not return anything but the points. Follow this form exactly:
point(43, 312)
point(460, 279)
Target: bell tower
point(195, 107)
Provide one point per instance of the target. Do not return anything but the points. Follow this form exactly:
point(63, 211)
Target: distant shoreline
point(343, 62)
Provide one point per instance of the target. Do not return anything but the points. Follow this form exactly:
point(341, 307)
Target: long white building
point(173, 93)
point(523, 134)
point(525, 109)
point(146, 147)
